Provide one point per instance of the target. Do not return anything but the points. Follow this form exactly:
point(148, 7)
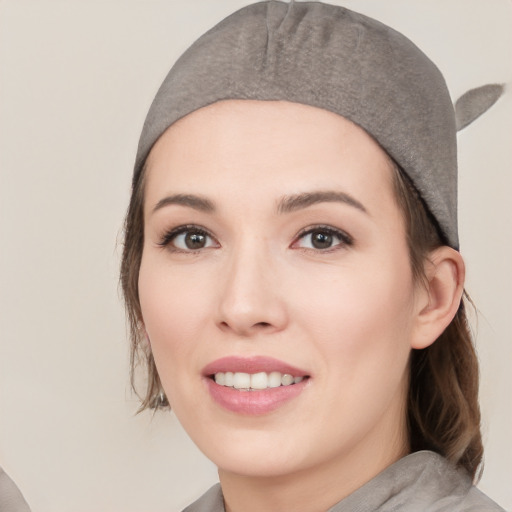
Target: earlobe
point(440, 299)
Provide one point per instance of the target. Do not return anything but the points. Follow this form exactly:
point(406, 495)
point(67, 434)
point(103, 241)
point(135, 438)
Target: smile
point(253, 385)
point(255, 381)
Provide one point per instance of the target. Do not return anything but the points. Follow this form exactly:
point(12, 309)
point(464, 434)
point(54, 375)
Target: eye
point(187, 238)
point(322, 238)
point(192, 240)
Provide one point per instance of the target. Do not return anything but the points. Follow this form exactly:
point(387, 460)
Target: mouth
point(256, 381)
point(255, 385)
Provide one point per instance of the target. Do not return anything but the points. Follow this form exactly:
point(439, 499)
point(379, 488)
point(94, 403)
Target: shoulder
point(477, 501)
point(420, 482)
point(441, 487)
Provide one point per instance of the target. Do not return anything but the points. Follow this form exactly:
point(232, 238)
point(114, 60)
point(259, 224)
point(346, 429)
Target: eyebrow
point(192, 201)
point(297, 202)
point(287, 204)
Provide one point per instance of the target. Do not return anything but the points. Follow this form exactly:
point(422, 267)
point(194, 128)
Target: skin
point(348, 315)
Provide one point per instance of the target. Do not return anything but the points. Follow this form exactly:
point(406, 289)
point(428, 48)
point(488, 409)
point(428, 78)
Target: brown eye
point(188, 239)
point(321, 240)
point(195, 240)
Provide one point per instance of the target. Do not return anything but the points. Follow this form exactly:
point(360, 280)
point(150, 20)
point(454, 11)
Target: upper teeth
point(261, 380)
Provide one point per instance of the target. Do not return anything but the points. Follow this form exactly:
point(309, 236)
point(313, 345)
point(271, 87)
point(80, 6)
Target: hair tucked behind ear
point(443, 409)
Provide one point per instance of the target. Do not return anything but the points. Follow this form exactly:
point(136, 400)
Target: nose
point(251, 301)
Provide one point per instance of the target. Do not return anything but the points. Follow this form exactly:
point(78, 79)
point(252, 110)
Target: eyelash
point(169, 236)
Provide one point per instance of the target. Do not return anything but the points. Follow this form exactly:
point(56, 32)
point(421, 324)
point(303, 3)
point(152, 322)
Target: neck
point(313, 489)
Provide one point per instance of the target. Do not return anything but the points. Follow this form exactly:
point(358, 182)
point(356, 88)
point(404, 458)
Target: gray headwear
point(332, 58)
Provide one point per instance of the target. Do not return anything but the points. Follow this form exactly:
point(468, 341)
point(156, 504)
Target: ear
point(439, 297)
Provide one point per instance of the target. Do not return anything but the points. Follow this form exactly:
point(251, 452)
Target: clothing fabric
point(11, 499)
point(332, 58)
point(421, 482)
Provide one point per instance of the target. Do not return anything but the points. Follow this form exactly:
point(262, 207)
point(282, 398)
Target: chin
point(256, 465)
point(251, 452)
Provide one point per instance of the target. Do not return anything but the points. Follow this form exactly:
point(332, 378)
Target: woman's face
point(274, 246)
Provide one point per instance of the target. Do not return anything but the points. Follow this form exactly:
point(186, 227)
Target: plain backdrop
point(76, 79)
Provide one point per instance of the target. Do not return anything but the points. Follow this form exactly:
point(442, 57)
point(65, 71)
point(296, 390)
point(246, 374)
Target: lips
point(255, 385)
point(251, 365)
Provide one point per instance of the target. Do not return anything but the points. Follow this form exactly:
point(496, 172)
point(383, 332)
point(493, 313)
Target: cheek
point(172, 314)
point(365, 297)
point(167, 312)
point(362, 333)
point(361, 320)
point(170, 295)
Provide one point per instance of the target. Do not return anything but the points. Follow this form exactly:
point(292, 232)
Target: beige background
point(76, 78)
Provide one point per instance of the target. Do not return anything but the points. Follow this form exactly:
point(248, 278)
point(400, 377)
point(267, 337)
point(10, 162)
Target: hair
point(140, 350)
point(443, 412)
point(442, 405)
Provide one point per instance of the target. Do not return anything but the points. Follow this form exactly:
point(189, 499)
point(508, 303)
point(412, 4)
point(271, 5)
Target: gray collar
point(420, 482)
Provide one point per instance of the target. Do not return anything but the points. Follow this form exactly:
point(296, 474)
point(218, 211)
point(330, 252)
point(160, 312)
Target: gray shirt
point(420, 482)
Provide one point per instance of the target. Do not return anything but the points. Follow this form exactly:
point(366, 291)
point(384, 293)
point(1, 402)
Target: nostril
point(245, 326)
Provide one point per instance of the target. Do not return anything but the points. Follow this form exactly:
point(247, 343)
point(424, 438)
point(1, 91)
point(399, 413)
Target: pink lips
point(252, 402)
point(251, 365)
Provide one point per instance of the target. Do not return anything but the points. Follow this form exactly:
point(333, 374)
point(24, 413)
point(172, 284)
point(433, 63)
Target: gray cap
point(328, 57)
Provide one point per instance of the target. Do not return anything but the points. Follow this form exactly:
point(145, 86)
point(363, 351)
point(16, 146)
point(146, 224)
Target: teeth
point(256, 381)
point(228, 379)
point(259, 380)
point(274, 380)
point(287, 379)
point(241, 381)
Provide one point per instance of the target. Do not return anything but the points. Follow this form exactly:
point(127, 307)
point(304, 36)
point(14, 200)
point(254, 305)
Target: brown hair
point(140, 351)
point(443, 411)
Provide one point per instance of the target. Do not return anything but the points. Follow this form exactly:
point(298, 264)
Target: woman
point(291, 266)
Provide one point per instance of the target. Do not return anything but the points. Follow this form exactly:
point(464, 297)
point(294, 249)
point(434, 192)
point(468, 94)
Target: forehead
point(278, 146)
point(279, 122)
